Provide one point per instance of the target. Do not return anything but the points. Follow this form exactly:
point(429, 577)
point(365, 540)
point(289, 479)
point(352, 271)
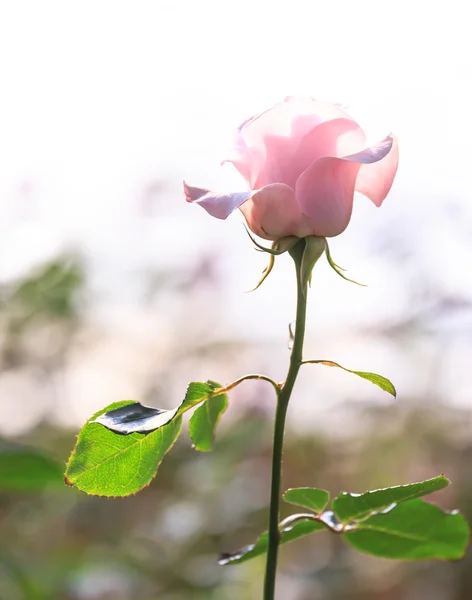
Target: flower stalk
point(283, 399)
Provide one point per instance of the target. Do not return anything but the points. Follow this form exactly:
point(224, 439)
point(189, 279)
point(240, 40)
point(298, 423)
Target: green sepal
point(278, 247)
point(285, 244)
point(265, 273)
point(337, 269)
point(314, 248)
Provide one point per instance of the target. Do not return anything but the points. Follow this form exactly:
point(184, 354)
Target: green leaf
point(289, 533)
point(204, 420)
point(25, 469)
point(133, 417)
point(350, 507)
point(120, 448)
point(311, 498)
point(379, 380)
point(412, 530)
point(106, 463)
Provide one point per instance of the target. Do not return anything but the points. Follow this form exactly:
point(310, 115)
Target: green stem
point(233, 384)
point(281, 411)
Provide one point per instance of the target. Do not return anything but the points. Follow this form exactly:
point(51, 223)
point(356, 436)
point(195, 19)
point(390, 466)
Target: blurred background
point(112, 287)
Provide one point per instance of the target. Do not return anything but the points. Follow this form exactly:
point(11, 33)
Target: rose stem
point(281, 411)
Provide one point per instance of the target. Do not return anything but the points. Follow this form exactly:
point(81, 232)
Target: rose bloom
point(302, 160)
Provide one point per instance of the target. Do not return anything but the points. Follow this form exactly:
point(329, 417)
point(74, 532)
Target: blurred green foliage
point(47, 294)
point(47, 298)
point(165, 541)
point(60, 544)
point(23, 468)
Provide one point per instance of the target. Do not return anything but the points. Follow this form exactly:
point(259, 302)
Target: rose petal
point(325, 191)
point(246, 160)
point(271, 138)
point(279, 120)
point(217, 205)
point(336, 138)
point(273, 212)
point(375, 180)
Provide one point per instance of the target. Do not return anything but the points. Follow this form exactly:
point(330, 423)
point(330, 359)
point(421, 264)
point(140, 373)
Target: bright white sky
point(100, 97)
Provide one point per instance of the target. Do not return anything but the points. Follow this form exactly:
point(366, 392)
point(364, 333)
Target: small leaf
point(204, 420)
point(133, 417)
point(349, 507)
point(379, 380)
point(311, 498)
point(412, 530)
point(106, 463)
point(120, 448)
point(26, 469)
point(289, 533)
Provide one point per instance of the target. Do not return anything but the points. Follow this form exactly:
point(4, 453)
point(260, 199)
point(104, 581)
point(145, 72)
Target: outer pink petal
point(325, 191)
point(217, 205)
point(273, 212)
point(375, 180)
point(336, 138)
point(271, 138)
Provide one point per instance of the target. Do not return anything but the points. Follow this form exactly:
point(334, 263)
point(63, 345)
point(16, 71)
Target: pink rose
point(303, 160)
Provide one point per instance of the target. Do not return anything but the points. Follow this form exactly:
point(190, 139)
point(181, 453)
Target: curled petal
point(337, 138)
point(217, 205)
point(325, 191)
point(273, 213)
point(375, 180)
point(374, 153)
